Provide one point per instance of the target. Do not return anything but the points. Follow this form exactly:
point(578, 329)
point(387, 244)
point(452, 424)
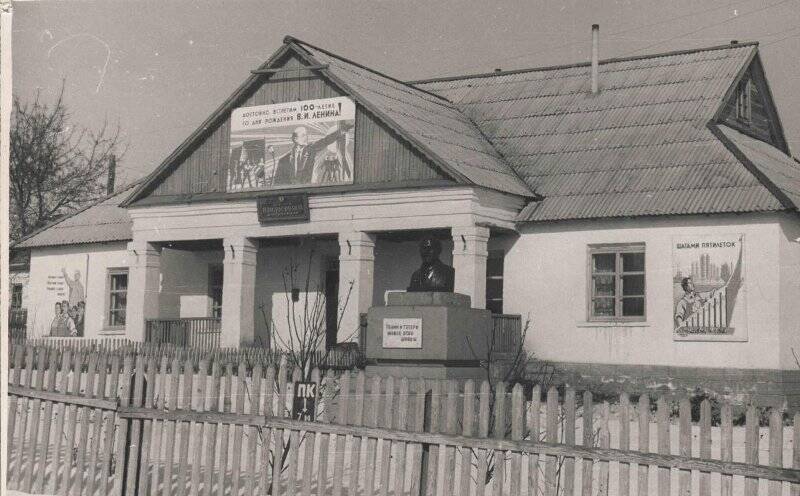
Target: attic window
point(743, 106)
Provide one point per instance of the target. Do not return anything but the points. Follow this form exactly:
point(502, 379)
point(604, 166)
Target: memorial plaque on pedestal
point(455, 337)
point(402, 333)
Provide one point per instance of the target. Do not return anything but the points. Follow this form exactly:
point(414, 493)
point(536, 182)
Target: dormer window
point(743, 101)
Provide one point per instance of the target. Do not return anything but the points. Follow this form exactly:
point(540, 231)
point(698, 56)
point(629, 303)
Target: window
point(117, 297)
point(743, 107)
point(616, 283)
point(494, 281)
point(16, 296)
point(215, 278)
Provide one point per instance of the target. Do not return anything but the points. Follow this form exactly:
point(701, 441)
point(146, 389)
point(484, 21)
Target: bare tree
point(305, 320)
point(507, 366)
point(303, 344)
point(56, 167)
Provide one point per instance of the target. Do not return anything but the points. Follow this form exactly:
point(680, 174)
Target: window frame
point(617, 249)
point(744, 104)
point(110, 273)
point(17, 289)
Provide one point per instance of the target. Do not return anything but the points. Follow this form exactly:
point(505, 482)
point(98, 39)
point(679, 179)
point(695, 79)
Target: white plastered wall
point(546, 277)
point(789, 273)
point(46, 265)
point(273, 302)
point(184, 283)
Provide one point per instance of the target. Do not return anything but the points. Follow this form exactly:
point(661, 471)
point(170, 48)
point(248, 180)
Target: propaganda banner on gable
point(709, 288)
point(292, 145)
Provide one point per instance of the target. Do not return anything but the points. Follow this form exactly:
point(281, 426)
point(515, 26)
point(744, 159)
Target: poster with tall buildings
point(292, 145)
point(709, 288)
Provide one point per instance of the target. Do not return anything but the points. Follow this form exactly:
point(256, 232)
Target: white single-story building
point(649, 229)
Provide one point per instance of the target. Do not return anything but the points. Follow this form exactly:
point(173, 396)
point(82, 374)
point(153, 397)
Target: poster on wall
point(291, 145)
point(66, 301)
point(709, 288)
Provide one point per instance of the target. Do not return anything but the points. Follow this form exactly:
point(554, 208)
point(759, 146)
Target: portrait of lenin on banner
point(297, 165)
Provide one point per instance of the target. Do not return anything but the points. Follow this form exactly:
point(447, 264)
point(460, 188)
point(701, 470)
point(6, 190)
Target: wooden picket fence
point(87, 422)
point(345, 358)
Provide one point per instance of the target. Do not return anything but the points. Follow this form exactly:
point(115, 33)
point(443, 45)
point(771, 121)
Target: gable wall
point(760, 125)
point(380, 156)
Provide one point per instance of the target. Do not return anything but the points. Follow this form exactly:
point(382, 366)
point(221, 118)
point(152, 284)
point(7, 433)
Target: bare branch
point(55, 167)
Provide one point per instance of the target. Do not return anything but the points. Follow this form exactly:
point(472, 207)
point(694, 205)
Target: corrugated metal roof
point(435, 123)
point(639, 147)
point(103, 221)
point(780, 169)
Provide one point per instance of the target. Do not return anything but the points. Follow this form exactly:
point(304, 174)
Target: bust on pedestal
point(433, 274)
point(429, 331)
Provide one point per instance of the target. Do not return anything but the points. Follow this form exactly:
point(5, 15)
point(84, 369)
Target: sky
point(159, 68)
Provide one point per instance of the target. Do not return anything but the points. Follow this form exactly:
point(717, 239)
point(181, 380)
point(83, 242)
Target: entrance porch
point(364, 244)
point(292, 291)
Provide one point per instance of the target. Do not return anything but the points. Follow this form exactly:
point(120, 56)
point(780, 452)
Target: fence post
point(775, 447)
point(467, 431)
point(425, 460)
point(751, 447)
point(14, 380)
point(644, 442)
point(685, 445)
point(705, 445)
point(624, 442)
point(533, 433)
point(795, 488)
point(499, 432)
point(588, 441)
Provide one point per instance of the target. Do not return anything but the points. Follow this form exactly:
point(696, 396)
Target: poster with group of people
point(291, 145)
point(67, 292)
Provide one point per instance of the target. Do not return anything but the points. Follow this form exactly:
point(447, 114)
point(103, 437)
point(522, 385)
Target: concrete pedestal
point(446, 338)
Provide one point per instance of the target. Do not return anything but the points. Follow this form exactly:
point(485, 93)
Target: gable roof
point(641, 146)
point(647, 144)
point(428, 122)
point(101, 221)
point(439, 129)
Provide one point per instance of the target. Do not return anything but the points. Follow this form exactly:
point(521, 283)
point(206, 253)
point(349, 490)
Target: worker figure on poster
point(292, 145)
point(708, 285)
point(69, 307)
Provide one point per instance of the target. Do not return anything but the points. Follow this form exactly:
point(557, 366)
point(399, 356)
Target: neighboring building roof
point(102, 221)
point(443, 132)
point(639, 147)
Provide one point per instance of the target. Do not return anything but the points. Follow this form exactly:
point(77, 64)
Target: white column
point(356, 273)
point(238, 292)
point(469, 260)
point(144, 274)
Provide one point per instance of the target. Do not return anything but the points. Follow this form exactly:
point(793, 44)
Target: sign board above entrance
point(290, 145)
point(402, 333)
point(282, 208)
